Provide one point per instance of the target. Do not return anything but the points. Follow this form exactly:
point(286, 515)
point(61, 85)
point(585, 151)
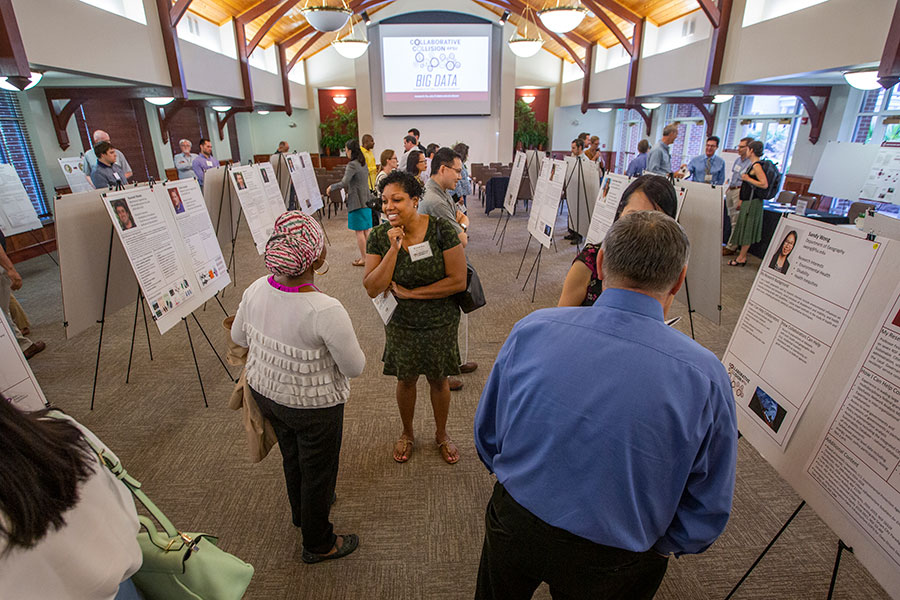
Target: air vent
point(688, 26)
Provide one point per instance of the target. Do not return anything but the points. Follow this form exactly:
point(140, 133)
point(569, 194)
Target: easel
point(508, 214)
point(837, 559)
point(102, 322)
point(535, 266)
point(576, 219)
point(226, 185)
point(40, 242)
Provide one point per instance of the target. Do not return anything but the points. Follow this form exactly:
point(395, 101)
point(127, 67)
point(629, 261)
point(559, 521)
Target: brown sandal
point(405, 451)
point(358, 263)
point(444, 449)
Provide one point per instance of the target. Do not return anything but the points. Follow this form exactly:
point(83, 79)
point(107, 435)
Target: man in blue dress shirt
point(638, 163)
point(613, 437)
point(707, 168)
point(204, 161)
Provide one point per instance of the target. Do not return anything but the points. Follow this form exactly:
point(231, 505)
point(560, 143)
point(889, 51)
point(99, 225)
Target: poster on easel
point(172, 247)
point(533, 162)
point(547, 196)
point(76, 178)
point(17, 381)
point(222, 204)
point(303, 177)
point(17, 214)
point(883, 182)
point(582, 186)
point(515, 180)
point(271, 185)
point(260, 209)
point(809, 284)
point(605, 206)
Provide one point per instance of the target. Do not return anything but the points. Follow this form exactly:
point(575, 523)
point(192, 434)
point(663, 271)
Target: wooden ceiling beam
point(285, 82)
point(312, 40)
point(61, 118)
point(717, 47)
point(176, 11)
point(604, 18)
point(296, 36)
point(586, 82)
point(243, 62)
point(713, 13)
point(269, 24)
point(13, 61)
point(519, 9)
point(633, 66)
point(257, 10)
point(889, 68)
point(620, 11)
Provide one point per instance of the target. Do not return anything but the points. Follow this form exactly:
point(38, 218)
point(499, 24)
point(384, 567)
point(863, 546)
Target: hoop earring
point(324, 264)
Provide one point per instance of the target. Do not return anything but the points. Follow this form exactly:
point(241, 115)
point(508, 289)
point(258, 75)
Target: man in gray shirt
point(446, 170)
point(90, 159)
point(659, 161)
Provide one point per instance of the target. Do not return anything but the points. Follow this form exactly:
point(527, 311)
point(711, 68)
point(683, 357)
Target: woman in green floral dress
point(748, 229)
point(420, 261)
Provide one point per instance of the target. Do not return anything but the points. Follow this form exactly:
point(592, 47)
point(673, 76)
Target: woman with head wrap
point(302, 350)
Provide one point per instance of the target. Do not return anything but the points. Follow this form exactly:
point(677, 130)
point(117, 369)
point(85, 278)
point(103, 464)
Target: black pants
point(521, 551)
point(310, 442)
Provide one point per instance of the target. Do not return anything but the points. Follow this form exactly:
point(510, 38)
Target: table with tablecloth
point(494, 193)
point(772, 212)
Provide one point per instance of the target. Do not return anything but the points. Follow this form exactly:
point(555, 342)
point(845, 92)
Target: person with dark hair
point(415, 133)
point(430, 149)
point(638, 163)
point(356, 182)
point(419, 259)
point(416, 165)
point(597, 485)
point(748, 229)
point(659, 160)
point(55, 491)
point(578, 153)
point(446, 169)
point(90, 158)
point(366, 144)
point(707, 168)
point(780, 258)
point(409, 144)
point(302, 353)
point(733, 193)
point(107, 172)
point(583, 283)
point(464, 185)
point(388, 162)
point(204, 161)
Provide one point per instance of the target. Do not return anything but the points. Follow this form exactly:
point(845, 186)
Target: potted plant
point(528, 130)
point(337, 130)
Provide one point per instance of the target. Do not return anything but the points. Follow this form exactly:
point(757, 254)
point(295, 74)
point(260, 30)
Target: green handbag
point(180, 565)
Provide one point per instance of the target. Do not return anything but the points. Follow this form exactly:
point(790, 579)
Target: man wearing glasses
point(733, 193)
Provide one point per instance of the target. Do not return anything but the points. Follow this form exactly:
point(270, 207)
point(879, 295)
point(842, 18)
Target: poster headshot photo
point(302, 163)
point(780, 259)
point(239, 181)
point(265, 175)
point(771, 413)
point(290, 163)
point(123, 214)
point(606, 187)
point(175, 197)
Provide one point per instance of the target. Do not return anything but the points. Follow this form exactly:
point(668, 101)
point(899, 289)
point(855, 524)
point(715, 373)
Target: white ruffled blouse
point(303, 349)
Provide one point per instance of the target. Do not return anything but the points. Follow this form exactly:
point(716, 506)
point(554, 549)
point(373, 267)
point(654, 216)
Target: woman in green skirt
point(419, 260)
point(748, 229)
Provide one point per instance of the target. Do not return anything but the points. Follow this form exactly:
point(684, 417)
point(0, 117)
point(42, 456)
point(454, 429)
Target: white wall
point(43, 139)
point(806, 154)
point(542, 70)
point(569, 122)
point(298, 130)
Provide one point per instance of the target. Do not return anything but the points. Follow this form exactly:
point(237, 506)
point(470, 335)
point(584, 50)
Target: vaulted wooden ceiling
point(288, 21)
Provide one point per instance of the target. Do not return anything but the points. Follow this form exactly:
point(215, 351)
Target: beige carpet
point(420, 524)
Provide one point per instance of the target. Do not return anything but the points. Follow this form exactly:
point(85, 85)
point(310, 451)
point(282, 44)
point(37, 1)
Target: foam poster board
point(547, 195)
point(17, 214)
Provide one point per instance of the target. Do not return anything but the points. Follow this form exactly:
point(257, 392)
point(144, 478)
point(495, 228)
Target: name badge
point(116, 175)
point(209, 163)
point(420, 251)
point(708, 178)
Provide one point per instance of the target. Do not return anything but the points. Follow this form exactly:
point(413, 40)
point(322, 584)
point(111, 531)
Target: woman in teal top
point(419, 260)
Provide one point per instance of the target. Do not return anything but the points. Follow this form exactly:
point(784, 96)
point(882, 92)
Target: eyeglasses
point(458, 171)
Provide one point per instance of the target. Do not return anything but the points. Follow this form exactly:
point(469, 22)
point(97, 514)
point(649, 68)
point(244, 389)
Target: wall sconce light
point(528, 99)
point(339, 99)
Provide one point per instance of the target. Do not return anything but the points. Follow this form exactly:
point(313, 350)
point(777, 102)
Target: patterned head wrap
point(296, 243)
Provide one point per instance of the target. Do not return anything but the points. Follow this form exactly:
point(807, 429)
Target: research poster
point(582, 187)
point(515, 180)
point(857, 461)
point(17, 382)
point(547, 195)
point(172, 247)
point(260, 208)
point(883, 182)
point(303, 177)
point(76, 178)
point(271, 186)
point(605, 206)
point(17, 214)
point(808, 285)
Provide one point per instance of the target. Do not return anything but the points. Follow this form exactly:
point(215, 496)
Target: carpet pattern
point(420, 524)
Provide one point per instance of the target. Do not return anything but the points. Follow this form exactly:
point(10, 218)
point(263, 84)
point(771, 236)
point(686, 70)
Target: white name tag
point(385, 305)
point(116, 175)
point(707, 178)
point(209, 163)
point(420, 251)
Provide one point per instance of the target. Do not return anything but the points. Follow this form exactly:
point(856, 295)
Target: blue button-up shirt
point(659, 161)
point(637, 165)
point(203, 164)
point(713, 165)
point(607, 423)
point(739, 167)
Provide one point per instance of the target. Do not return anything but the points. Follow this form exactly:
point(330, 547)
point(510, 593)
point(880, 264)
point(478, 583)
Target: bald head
point(100, 136)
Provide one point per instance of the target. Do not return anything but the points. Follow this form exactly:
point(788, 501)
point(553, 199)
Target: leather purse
point(472, 297)
point(178, 565)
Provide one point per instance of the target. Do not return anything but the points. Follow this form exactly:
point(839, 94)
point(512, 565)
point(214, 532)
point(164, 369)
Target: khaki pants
point(5, 294)
point(731, 199)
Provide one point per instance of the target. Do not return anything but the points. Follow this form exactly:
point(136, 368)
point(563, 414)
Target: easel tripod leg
point(221, 362)
point(102, 317)
point(530, 271)
point(536, 272)
point(687, 293)
point(528, 243)
point(146, 327)
point(133, 332)
point(837, 563)
point(196, 365)
point(767, 548)
point(502, 210)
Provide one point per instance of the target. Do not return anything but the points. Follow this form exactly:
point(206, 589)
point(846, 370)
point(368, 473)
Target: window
point(130, 9)
point(879, 117)
point(757, 11)
point(630, 132)
point(219, 39)
point(773, 120)
point(15, 149)
point(691, 133)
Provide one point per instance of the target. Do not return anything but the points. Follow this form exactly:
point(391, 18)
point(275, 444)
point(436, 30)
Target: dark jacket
point(356, 182)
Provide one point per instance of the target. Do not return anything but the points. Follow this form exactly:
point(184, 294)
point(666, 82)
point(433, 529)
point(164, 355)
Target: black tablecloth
point(494, 193)
point(771, 215)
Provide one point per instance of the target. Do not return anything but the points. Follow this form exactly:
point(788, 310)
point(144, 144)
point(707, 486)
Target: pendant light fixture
point(527, 45)
point(351, 45)
point(326, 18)
point(562, 18)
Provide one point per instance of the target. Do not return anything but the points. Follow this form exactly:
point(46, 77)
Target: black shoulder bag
point(472, 297)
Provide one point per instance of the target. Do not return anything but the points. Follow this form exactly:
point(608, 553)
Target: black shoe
point(351, 543)
point(576, 241)
point(570, 236)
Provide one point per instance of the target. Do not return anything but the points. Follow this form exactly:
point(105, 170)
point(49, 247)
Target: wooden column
point(13, 62)
point(169, 16)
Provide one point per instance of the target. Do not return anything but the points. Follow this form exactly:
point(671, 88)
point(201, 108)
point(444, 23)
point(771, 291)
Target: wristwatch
point(464, 226)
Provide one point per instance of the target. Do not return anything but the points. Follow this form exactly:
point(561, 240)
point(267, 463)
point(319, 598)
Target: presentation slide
point(436, 69)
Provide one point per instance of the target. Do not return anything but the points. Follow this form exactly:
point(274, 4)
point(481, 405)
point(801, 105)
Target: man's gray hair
point(670, 129)
point(180, 142)
point(645, 250)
